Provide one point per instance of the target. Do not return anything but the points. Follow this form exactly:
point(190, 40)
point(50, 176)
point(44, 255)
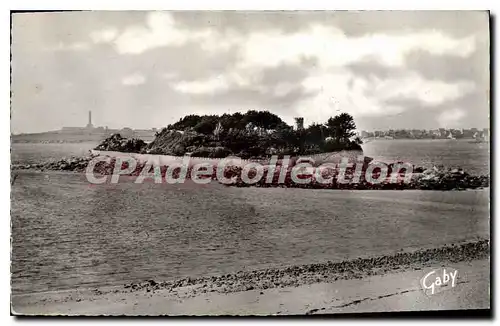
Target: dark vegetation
point(254, 134)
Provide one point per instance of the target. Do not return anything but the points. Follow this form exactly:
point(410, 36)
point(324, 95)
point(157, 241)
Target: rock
point(118, 143)
point(418, 170)
point(430, 179)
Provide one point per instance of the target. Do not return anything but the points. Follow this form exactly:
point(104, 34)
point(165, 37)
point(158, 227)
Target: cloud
point(133, 80)
point(293, 73)
point(329, 44)
point(211, 85)
point(161, 30)
point(326, 63)
point(446, 68)
point(372, 68)
point(104, 36)
point(353, 23)
point(451, 118)
point(169, 75)
point(343, 91)
point(265, 81)
point(284, 88)
point(449, 68)
point(430, 92)
point(332, 48)
point(77, 46)
point(387, 69)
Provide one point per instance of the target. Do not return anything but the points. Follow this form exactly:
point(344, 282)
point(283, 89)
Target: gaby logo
point(439, 280)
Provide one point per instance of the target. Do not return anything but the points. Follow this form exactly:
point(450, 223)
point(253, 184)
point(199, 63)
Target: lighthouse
point(89, 125)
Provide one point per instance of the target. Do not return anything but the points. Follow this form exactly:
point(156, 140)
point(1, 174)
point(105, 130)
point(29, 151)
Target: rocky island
point(256, 136)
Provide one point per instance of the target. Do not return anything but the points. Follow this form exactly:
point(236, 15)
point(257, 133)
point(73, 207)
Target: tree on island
point(206, 124)
point(341, 127)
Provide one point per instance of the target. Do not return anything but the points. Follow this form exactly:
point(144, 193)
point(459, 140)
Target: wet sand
point(385, 283)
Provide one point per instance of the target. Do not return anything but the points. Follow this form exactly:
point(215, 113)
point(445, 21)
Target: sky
point(142, 70)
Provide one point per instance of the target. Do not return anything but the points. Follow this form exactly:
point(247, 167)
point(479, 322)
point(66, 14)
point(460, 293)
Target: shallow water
point(472, 157)
point(30, 153)
point(68, 234)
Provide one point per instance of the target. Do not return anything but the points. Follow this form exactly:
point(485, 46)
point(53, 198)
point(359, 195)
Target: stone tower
point(299, 123)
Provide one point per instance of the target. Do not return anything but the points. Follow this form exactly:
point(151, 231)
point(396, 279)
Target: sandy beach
point(383, 284)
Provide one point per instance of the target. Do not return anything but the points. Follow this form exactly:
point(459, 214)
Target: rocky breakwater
point(423, 179)
point(315, 273)
point(75, 164)
point(450, 179)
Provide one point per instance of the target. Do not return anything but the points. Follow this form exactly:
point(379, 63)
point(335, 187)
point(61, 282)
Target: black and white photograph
point(250, 163)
